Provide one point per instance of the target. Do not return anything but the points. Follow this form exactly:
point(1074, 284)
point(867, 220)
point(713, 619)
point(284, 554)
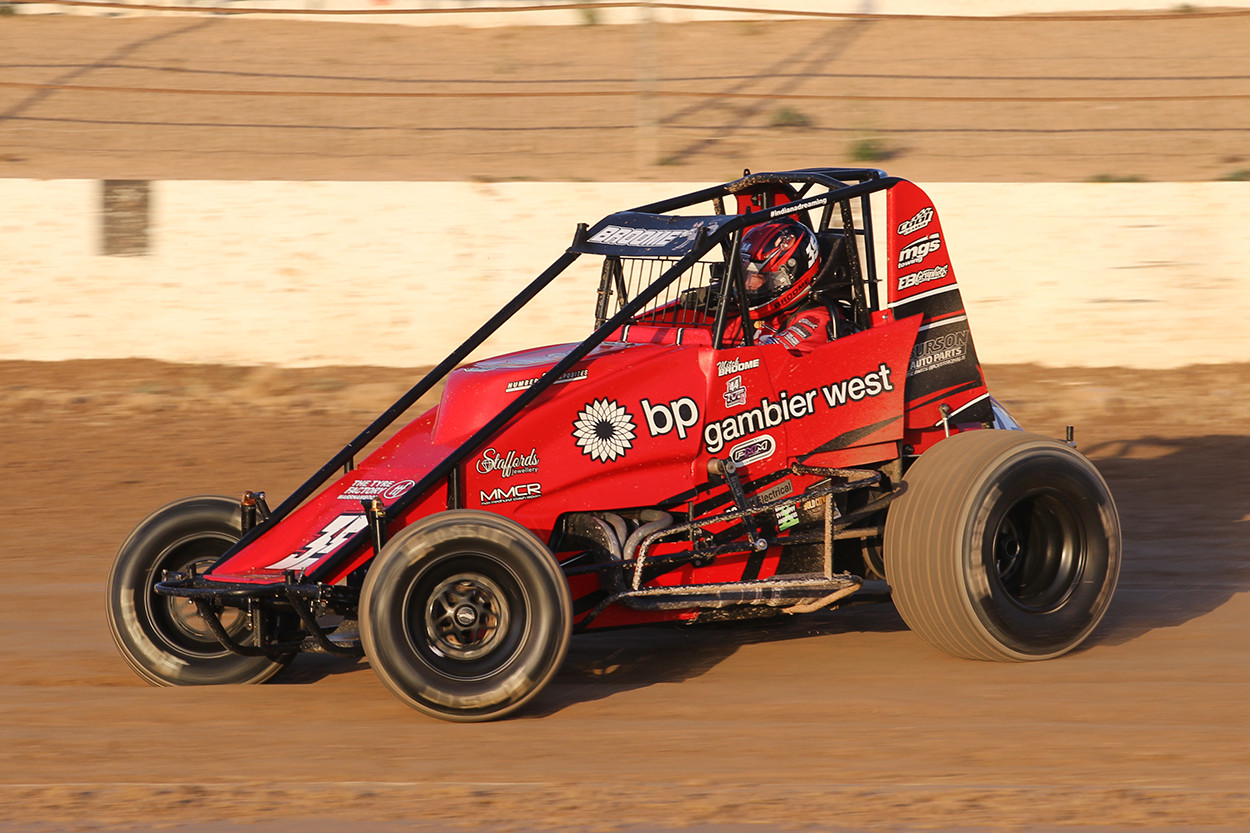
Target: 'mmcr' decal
point(519, 491)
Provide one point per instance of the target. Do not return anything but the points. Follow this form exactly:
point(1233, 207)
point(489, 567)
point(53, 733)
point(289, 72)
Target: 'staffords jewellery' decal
point(507, 464)
point(604, 430)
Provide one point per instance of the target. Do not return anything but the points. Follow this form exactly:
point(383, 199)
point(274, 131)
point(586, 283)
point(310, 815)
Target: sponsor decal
point(678, 415)
point(933, 353)
point(818, 503)
point(518, 491)
point(923, 217)
point(753, 450)
point(734, 366)
point(369, 489)
point(522, 384)
point(785, 487)
point(638, 237)
point(735, 393)
point(787, 516)
point(334, 535)
point(790, 208)
point(916, 252)
point(508, 464)
point(604, 430)
point(789, 407)
point(935, 273)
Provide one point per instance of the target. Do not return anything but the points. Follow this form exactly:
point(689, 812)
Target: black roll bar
point(868, 181)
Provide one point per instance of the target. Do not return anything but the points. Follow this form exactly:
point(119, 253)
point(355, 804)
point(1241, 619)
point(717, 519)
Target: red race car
point(753, 428)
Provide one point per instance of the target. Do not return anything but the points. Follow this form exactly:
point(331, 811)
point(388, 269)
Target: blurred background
point(192, 169)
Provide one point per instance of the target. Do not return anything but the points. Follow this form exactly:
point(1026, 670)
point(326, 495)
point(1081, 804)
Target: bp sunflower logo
point(604, 430)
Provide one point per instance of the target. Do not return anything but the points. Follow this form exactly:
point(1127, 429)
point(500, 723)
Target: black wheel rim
point(1039, 551)
point(175, 621)
point(466, 616)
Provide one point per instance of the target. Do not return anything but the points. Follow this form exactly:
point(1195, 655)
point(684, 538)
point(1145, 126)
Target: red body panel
point(631, 426)
point(921, 281)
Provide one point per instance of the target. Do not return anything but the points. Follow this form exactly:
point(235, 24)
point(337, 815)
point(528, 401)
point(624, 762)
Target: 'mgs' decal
point(335, 534)
point(918, 251)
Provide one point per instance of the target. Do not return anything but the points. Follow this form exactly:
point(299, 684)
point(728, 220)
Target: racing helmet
point(780, 258)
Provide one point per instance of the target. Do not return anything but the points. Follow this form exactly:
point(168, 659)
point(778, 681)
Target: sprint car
point(670, 467)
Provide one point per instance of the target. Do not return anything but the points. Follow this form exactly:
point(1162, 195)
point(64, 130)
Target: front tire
point(1004, 546)
point(163, 638)
point(465, 615)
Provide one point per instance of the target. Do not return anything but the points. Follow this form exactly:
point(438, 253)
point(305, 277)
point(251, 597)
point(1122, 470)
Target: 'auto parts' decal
point(604, 430)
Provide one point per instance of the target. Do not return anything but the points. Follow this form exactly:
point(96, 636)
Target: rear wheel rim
point(1039, 552)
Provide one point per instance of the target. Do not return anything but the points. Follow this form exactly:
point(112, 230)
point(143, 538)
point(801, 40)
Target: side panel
point(323, 525)
point(623, 436)
point(921, 281)
point(851, 390)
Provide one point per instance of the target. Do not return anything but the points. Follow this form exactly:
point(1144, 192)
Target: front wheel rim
point(467, 617)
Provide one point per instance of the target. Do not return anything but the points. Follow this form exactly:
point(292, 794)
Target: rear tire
point(163, 638)
point(1004, 546)
point(465, 615)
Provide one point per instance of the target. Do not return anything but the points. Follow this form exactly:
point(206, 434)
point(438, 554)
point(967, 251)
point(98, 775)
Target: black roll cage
point(867, 181)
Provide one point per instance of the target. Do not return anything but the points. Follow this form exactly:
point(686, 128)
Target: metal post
point(648, 126)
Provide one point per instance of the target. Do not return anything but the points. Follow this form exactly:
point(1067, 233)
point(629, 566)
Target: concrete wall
point(1145, 275)
point(455, 14)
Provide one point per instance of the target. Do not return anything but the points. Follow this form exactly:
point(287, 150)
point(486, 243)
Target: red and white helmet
point(780, 258)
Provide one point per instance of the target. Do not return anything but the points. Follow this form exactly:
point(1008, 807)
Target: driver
point(781, 260)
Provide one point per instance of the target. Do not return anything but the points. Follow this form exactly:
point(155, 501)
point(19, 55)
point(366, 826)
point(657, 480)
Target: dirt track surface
point(838, 720)
point(956, 100)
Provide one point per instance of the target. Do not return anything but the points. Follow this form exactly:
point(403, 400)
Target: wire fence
point(687, 105)
point(644, 5)
point(633, 92)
